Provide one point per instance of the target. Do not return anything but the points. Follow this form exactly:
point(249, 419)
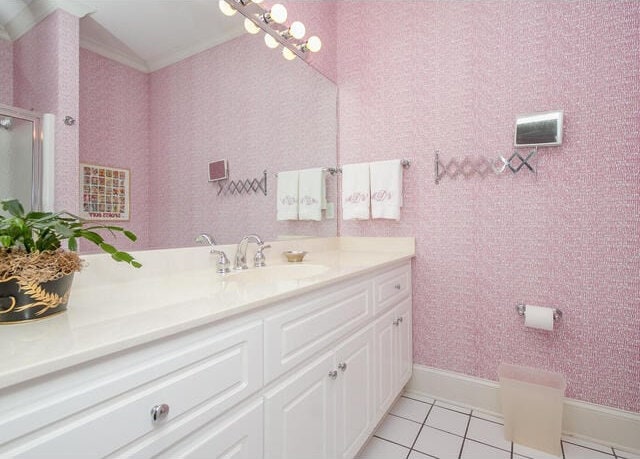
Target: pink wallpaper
point(45, 79)
point(452, 76)
point(319, 18)
point(243, 102)
point(114, 109)
point(6, 72)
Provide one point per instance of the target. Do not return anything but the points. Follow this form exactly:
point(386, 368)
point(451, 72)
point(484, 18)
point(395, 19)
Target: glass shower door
point(20, 157)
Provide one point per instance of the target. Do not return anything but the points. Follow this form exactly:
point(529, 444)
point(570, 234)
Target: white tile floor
point(419, 427)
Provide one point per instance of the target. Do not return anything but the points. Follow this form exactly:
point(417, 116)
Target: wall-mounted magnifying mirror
point(539, 129)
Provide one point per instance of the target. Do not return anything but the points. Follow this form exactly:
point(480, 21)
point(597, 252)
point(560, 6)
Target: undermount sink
point(277, 273)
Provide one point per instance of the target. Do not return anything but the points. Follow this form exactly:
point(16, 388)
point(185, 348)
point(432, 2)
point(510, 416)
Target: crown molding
point(39, 10)
point(167, 60)
point(114, 55)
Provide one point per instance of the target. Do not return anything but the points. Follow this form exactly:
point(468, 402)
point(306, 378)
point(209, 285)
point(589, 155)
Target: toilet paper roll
point(538, 317)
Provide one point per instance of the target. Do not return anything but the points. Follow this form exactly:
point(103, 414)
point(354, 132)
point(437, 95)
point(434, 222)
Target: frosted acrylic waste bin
point(532, 406)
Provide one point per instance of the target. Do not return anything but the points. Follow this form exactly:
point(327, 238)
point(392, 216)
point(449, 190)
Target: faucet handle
point(259, 260)
point(222, 262)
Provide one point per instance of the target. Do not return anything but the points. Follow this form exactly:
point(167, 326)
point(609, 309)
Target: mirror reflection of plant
point(44, 231)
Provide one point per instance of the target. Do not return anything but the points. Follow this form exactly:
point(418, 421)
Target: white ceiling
point(145, 34)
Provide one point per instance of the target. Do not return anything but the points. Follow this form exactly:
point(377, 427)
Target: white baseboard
point(610, 426)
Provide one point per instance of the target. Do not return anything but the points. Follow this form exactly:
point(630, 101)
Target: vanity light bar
point(280, 32)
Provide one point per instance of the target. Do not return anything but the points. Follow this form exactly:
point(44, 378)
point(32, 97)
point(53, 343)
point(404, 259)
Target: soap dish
point(294, 256)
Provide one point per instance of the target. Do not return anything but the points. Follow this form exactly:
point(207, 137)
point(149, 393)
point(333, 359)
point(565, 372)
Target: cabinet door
point(404, 356)
point(235, 436)
point(355, 408)
point(385, 351)
point(300, 414)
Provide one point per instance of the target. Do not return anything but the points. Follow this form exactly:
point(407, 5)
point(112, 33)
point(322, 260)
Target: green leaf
point(73, 244)
point(130, 235)
point(14, 207)
point(6, 241)
point(108, 248)
point(91, 236)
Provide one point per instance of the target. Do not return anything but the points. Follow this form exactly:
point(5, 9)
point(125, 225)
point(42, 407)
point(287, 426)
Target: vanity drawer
point(214, 375)
point(392, 287)
point(310, 324)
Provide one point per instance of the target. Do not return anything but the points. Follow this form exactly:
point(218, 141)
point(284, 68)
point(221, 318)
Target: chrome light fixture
point(272, 23)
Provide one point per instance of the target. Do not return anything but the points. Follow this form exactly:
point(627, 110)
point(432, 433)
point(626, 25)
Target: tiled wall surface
point(114, 109)
point(6, 72)
point(46, 80)
point(221, 104)
point(452, 76)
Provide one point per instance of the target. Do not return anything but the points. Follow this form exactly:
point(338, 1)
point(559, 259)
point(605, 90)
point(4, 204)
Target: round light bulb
point(270, 41)
point(226, 9)
point(313, 44)
point(288, 54)
point(278, 13)
point(297, 30)
point(250, 26)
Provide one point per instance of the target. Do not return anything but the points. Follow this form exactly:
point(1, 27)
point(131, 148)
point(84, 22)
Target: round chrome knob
point(342, 366)
point(397, 286)
point(400, 319)
point(396, 322)
point(159, 413)
point(333, 374)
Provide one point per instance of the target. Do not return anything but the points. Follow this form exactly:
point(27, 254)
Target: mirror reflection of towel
point(386, 189)
point(311, 194)
point(287, 195)
point(355, 191)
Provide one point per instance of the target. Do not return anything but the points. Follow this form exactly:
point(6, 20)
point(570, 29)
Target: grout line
point(487, 444)
point(391, 441)
point(592, 449)
point(511, 450)
point(488, 420)
point(402, 417)
point(465, 437)
point(419, 431)
point(421, 401)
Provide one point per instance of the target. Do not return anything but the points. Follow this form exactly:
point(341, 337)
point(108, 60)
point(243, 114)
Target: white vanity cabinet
point(325, 410)
point(309, 377)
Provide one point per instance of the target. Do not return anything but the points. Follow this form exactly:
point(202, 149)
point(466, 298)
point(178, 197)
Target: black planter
point(22, 301)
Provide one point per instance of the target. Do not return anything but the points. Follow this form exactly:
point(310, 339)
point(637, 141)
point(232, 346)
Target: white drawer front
point(391, 287)
point(218, 373)
point(304, 329)
point(235, 436)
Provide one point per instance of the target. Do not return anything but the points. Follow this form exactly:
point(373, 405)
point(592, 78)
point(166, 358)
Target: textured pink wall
point(243, 102)
point(319, 18)
point(452, 76)
point(46, 80)
point(114, 109)
point(6, 72)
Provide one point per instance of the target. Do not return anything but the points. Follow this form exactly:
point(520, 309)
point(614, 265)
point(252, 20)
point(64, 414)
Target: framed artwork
point(105, 193)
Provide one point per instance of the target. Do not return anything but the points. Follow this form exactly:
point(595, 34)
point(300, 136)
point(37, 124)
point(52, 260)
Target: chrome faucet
point(241, 252)
point(222, 263)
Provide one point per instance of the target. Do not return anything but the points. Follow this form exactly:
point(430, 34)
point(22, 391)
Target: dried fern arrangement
point(35, 271)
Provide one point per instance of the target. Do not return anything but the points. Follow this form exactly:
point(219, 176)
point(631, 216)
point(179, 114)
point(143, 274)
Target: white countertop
point(114, 307)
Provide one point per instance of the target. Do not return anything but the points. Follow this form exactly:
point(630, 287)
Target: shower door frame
point(36, 149)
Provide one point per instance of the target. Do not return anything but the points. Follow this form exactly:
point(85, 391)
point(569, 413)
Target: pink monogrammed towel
point(355, 191)
point(386, 189)
point(287, 195)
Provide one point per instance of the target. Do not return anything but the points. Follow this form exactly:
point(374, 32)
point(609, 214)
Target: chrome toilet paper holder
point(557, 313)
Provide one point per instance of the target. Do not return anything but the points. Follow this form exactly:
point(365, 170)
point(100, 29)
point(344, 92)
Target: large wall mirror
point(166, 87)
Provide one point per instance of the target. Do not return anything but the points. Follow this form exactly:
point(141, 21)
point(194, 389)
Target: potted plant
point(36, 272)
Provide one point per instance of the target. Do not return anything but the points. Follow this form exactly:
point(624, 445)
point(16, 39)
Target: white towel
point(386, 189)
point(355, 191)
point(287, 195)
point(311, 194)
